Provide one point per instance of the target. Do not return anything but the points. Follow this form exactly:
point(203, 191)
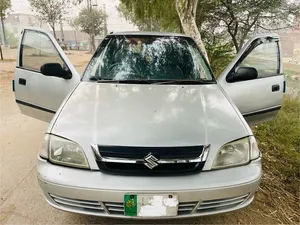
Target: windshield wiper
point(94, 78)
point(145, 81)
point(131, 81)
point(125, 81)
point(186, 82)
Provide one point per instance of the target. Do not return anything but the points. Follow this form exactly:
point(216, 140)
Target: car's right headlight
point(63, 151)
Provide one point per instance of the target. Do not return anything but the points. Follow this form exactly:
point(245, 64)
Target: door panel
point(259, 99)
point(37, 95)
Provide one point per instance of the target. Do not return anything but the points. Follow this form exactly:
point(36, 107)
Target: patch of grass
point(279, 141)
point(289, 72)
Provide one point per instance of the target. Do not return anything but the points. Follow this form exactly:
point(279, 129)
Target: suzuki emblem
point(150, 161)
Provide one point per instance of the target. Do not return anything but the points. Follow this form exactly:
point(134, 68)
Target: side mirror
point(243, 74)
point(55, 70)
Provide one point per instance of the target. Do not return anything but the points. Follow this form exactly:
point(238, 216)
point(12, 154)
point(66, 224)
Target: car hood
point(149, 115)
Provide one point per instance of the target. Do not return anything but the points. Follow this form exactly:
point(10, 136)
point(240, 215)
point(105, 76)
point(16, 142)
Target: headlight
point(236, 153)
point(66, 152)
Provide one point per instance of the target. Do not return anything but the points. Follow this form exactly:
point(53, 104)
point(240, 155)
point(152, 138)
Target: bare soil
point(21, 198)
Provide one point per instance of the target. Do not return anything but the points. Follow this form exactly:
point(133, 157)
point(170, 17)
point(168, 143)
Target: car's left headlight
point(66, 152)
point(236, 153)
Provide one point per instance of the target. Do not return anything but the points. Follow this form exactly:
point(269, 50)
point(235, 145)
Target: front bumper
point(95, 193)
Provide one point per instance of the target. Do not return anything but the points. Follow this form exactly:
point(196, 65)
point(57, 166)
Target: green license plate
point(130, 205)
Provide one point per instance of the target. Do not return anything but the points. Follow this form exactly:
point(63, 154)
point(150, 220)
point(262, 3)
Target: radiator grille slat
point(114, 205)
point(219, 204)
point(216, 205)
point(191, 204)
point(76, 201)
point(185, 209)
point(222, 200)
point(78, 205)
point(115, 209)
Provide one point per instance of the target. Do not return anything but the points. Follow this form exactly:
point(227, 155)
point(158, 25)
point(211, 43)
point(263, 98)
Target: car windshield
point(148, 58)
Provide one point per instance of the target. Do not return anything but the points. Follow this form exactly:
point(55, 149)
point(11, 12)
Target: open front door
point(254, 80)
point(39, 94)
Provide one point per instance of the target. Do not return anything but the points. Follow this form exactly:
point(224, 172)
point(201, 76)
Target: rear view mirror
point(55, 70)
point(243, 74)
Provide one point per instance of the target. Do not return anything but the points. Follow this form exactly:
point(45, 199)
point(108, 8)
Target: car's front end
point(148, 133)
point(114, 148)
point(96, 193)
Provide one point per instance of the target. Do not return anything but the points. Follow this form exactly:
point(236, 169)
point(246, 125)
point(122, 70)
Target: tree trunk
point(62, 30)
point(92, 40)
point(235, 42)
point(180, 27)
point(4, 34)
point(186, 10)
point(53, 29)
point(89, 4)
point(246, 32)
point(1, 52)
point(75, 39)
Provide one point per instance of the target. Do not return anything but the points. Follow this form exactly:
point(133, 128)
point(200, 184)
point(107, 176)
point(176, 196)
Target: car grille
point(180, 166)
point(184, 208)
point(139, 169)
point(78, 204)
point(220, 204)
point(141, 152)
point(117, 208)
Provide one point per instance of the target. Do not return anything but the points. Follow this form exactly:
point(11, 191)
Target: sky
point(114, 21)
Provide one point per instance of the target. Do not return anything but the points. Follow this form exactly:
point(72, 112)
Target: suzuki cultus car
point(147, 131)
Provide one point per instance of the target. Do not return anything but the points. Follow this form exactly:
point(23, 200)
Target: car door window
point(264, 58)
point(36, 50)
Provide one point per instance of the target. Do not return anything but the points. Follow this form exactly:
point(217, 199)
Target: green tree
point(11, 38)
point(142, 24)
point(169, 13)
point(157, 20)
point(235, 19)
point(51, 11)
point(239, 18)
point(219, 51)
point(91, 21)
point(4, 6)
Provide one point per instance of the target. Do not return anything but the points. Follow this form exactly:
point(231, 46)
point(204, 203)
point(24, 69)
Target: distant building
point(70, 35)
point(15, 22)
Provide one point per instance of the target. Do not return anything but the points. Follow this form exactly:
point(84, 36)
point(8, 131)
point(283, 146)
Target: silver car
point(147, 131)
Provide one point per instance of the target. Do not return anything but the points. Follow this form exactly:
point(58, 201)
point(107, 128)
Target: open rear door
point(37, 95)
point(257, 97)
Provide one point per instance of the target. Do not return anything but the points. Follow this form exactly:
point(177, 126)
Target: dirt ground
point(21, 198)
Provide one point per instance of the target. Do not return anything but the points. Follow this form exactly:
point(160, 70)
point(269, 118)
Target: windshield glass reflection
point(148, 58)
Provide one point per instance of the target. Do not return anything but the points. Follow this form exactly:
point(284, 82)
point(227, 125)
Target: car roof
point(138, 33)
